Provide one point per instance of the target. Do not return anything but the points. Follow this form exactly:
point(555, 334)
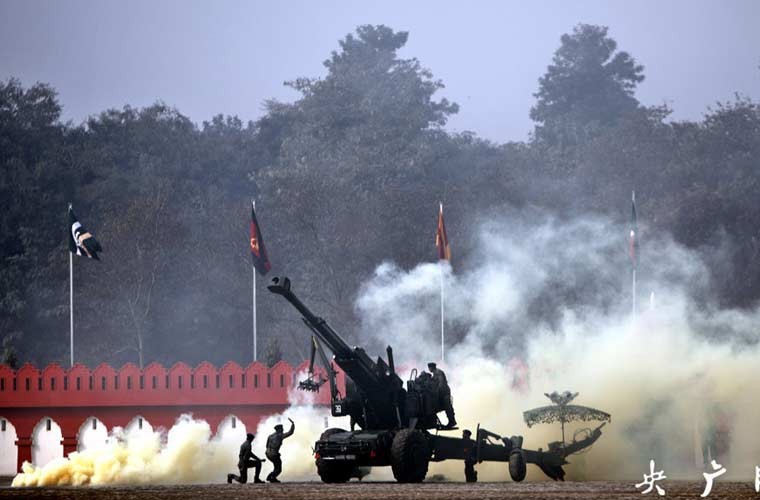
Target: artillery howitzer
point(395, 421)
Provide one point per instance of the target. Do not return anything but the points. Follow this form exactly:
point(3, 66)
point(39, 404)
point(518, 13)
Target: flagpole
point(633, 273)
point(253, 271)
point(634, 293)
point(255, 339)
point(440, 265)
point(71, 303)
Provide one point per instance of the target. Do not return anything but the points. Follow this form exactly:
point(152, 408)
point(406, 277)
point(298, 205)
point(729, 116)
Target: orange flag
point(441, 240)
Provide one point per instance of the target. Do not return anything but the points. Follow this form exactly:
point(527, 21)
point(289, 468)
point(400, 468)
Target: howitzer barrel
point(353, 361)
point(281, 286)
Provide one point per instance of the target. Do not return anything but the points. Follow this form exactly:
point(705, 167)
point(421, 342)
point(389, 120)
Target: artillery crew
point(246, 460)
point(274, 442)
point(444, 393)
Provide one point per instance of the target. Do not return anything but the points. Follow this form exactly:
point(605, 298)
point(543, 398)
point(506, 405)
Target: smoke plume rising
point(555, 296)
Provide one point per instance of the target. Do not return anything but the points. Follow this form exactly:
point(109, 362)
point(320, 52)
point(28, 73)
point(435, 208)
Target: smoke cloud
point(187, 453)
point(555, 297)
point(298, 450)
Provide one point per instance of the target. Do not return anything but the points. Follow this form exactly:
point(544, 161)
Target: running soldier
point(274, 442)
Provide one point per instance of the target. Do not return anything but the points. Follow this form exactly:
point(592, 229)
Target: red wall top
point(153, 386)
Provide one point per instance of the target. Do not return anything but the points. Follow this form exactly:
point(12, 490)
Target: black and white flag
point(81, 242)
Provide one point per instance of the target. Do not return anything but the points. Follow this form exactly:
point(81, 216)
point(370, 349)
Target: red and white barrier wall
point(51, 412)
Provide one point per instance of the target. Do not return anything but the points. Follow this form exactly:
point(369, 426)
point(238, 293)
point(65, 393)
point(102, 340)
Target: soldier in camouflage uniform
point(246, 460)
point(444, 393)
point(274, 442)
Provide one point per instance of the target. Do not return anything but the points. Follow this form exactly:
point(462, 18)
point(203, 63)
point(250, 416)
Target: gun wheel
point(410, 456)
point(517, 467)
point(329, 432)
point(332, 472)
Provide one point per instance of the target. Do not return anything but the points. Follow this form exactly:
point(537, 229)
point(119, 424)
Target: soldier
point(444, 393)
point(274, 442)
point(470, 474)
point(246, 460)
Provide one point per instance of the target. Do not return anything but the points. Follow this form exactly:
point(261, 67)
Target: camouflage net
point(563, 411)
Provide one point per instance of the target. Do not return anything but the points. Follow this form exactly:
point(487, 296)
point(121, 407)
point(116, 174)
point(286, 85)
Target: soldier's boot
point(230, 477)
point(470, 474)
point(256, 478)
point(450, 417)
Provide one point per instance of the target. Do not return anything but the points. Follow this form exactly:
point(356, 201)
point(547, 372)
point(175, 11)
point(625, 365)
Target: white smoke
point(557, 296)
point(297, 451)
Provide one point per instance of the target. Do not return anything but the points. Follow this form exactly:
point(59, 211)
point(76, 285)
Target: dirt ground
point(391, 491)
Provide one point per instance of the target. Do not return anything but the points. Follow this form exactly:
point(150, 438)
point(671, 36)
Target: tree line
point(346, 176)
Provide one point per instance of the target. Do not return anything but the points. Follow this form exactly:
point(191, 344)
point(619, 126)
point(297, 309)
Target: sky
point(206, 58)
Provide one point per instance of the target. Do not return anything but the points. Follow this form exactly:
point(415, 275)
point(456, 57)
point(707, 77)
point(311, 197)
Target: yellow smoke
point(661, 383)
point(189, 455)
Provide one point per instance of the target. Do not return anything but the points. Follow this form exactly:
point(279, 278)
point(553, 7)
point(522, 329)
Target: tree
point(273, 352)
point(8, 356)
point(363, 132)
point(714, 189)
point(588, 86)
point(35, 177)
point(143, 233)
point(370, 95)
point(346, 177)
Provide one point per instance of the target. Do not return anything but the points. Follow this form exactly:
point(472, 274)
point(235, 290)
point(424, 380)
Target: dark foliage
point(348, 175)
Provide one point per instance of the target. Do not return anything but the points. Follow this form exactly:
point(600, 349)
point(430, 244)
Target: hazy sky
point(228, 57)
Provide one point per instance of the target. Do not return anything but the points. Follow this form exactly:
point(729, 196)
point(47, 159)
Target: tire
point(410, 456)
point(330, 471)
point(517, 467)
point(329, 432)
point(333, 472)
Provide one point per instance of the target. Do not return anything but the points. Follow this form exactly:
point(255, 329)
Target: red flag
point(258, 250)
point(441, 240)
